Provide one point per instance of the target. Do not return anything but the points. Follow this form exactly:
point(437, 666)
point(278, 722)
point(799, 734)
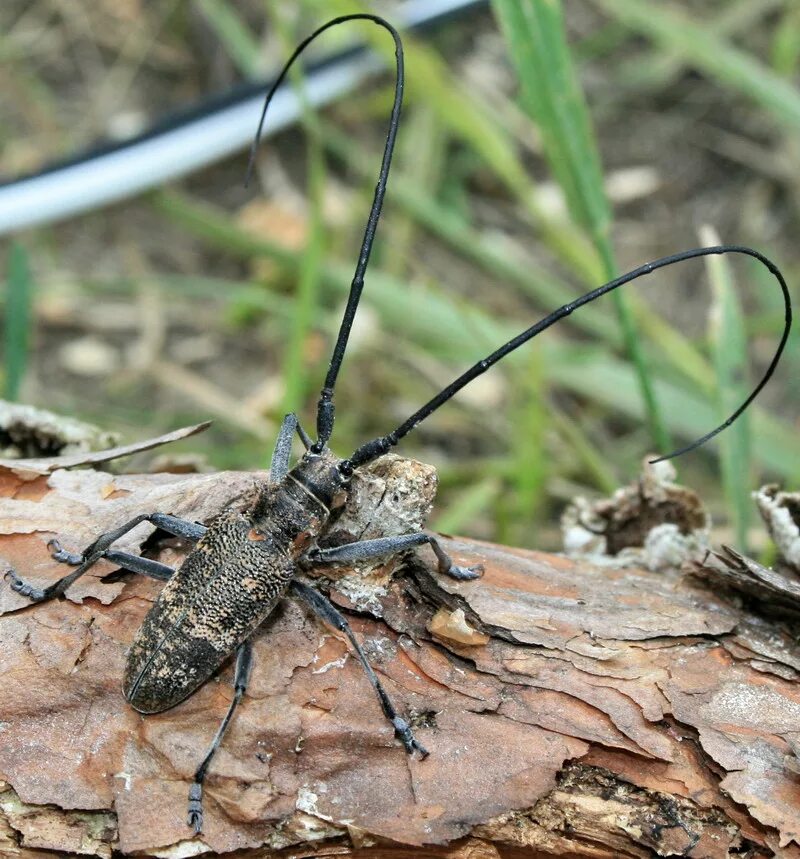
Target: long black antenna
point(325, 406)
point(373, 449)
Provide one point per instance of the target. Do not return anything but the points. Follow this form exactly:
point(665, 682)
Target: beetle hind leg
point(244, 662)
point(326, 611)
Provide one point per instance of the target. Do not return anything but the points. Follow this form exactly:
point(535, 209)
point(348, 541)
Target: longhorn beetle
point(244, 563)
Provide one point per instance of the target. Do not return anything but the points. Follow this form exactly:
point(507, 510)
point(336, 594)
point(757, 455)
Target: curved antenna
point(325, 406)
point(373, 449)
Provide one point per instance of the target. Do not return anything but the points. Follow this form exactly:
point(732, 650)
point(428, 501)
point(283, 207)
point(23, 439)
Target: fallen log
point(570, 708)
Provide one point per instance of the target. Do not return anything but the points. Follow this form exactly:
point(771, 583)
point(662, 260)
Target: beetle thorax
point(319, 475)
point(303, 500)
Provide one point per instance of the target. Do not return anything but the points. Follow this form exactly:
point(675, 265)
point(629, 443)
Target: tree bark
point(570, 709)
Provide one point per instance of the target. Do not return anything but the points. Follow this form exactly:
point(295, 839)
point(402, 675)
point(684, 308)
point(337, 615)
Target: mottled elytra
point(244, 563)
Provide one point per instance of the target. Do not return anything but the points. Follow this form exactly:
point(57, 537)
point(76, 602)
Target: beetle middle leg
point(383, 547)
point(244, 662)
point(134, 563)
point(326, 611)
point(99, 549)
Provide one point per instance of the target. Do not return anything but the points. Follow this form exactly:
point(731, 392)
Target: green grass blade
point(728, 339)
point(497, 257)
point(233, 33)
point(592, 374)
point(423, 148)
point(677, 350)
point(530, 418)
point(503, 259)
point(656, 69)
point(703, 49)
point(18, 320)
point(473, 500)
point(534, 31)
point(295, 372)
point(785, 49)
point(536, 36)
point(583, 450)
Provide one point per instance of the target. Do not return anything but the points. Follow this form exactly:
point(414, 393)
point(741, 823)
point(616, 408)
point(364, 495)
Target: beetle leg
point(279, 466)
point(134, 563)
point(326, 611)
point(368, 550)
point(143, 566)
point(244, 662)
point(99, 549)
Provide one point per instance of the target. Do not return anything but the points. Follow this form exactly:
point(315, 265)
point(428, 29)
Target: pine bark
point(570, 709)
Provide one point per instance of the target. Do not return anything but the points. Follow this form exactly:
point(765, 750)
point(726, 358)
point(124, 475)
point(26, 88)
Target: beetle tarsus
point(195, 818)
point(464, 574)
point(60, 554)
point(403, 733)
point(19, 585)
point(446, 565)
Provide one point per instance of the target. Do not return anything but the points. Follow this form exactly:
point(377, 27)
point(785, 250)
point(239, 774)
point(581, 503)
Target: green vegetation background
point(545, 147)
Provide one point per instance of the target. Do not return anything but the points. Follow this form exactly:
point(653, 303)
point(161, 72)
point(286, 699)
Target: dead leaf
point(47, 465)
point(653, 523)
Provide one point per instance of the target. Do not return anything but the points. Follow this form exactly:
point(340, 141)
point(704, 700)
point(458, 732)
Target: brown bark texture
point(579, 708)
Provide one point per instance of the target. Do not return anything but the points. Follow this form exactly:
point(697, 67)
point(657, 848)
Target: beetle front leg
point(326, 611)
point(99, 549)
point(279, 465)
point(383, 547)
point(244, 662)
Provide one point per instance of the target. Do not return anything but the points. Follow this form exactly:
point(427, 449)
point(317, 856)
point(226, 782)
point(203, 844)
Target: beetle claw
point(195, 821)
point(404, 733)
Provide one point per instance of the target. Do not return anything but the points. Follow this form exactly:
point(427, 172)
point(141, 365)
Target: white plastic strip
point(131, 170)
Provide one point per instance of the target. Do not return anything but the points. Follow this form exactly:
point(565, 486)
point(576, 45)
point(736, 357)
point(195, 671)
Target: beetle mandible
point(244, 563)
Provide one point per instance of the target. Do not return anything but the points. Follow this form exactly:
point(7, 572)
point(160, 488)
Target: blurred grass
point(234, 35)
point(785, 49)
point(655, 69)
point(468, 120)
point(456, 329)
point(728, 340)
point(294, 369)
point(702, 48)
point(537, 41)
point(470, 251)
point(18, 320)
